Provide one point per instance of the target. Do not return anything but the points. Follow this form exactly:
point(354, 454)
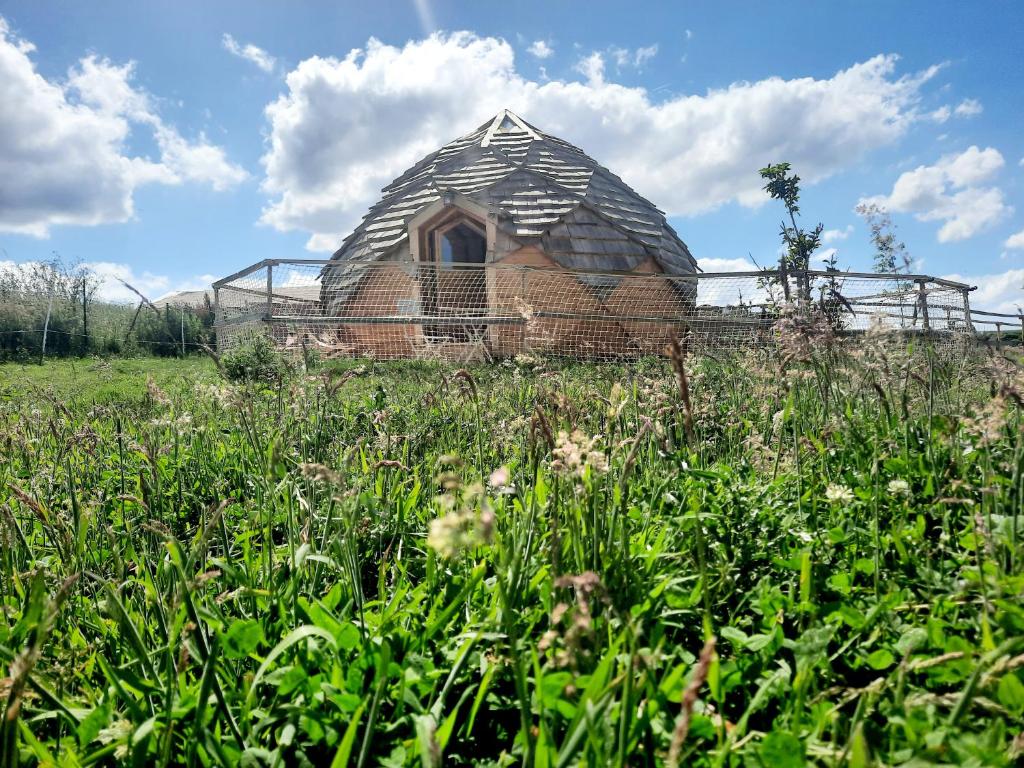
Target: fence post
point(922, 300)
point(967, 310)
point(85, 317)
point(216, 317)
point(182, 330)
point(270, 292)
point(46, 324)
point(784, 276)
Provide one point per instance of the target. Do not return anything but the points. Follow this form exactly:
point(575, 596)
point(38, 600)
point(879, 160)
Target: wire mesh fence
point(460, 312)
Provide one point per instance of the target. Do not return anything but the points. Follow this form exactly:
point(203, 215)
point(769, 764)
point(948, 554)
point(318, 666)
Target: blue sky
point(170, 142)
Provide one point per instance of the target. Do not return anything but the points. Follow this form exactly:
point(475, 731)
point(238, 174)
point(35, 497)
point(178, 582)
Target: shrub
point(256, 360)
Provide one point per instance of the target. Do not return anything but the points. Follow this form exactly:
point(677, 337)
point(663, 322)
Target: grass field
point(806, 558)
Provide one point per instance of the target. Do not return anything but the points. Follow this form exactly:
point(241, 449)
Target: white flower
point(468, 523)
point(498, 481)
point(777, 419)
point(460, 530)
point(899, 488)
point(574, 453)
point(838, 494)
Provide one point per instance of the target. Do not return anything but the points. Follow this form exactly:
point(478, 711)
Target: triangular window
point(507, 125)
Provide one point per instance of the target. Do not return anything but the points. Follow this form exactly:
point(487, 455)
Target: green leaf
point(297, 635)
point(860, 756)
point(881, 659)
point(1011, 693)
point(759, 642)
point(781, 749)
point(92, 724)
point(911, 640)
point(345, 747)
point(735, 636)
point(242, 638)
point(348, 638)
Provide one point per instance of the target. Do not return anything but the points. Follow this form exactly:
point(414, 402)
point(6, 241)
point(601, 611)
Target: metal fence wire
point(389, 310)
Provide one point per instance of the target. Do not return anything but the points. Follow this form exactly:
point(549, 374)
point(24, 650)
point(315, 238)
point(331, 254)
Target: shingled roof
point(543, 190)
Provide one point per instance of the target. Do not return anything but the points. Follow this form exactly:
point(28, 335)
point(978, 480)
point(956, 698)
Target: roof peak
point(507, 121)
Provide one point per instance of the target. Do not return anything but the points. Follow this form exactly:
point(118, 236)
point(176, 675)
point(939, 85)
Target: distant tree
point(800, 244)
point(85, 283)
point(891, 255)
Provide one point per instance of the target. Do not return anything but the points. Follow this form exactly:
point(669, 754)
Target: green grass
point(102, 380)
point(523, 564)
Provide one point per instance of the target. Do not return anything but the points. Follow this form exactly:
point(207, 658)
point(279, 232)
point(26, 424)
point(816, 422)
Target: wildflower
point(574, 454)
point(987, 426)
point(466, 525)
point(222, 395)
point(320, 473)
point(899, 487)
point(777, 419)
point(837, 494)
point(456, 532)
point(616, 400)
point(117, 731)
point(499, 481)
point(156, 394)
point(571, 626)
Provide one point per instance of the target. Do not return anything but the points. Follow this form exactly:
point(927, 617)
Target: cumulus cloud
point(950, 191)
point(968, 108)
point(249, 52)
point(1001, 292)
point(346, 127)
point(541, 49)
point(834, 235)
point(1015, 240)
point(63, 146)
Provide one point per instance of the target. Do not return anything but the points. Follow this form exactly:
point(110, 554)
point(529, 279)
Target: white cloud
point(966, 108)
point(969, 108)
point(625, 58)
point(541, 49)
point(834, 235)
point(249, 52)
point(592, 68)
point(1015, 240)
point(728, 291)
point(689, 34)
point(153, 286)
point(63, 146)
point(346, 127)
point(949, 191)
point(1002, 292)
point(725, 265)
